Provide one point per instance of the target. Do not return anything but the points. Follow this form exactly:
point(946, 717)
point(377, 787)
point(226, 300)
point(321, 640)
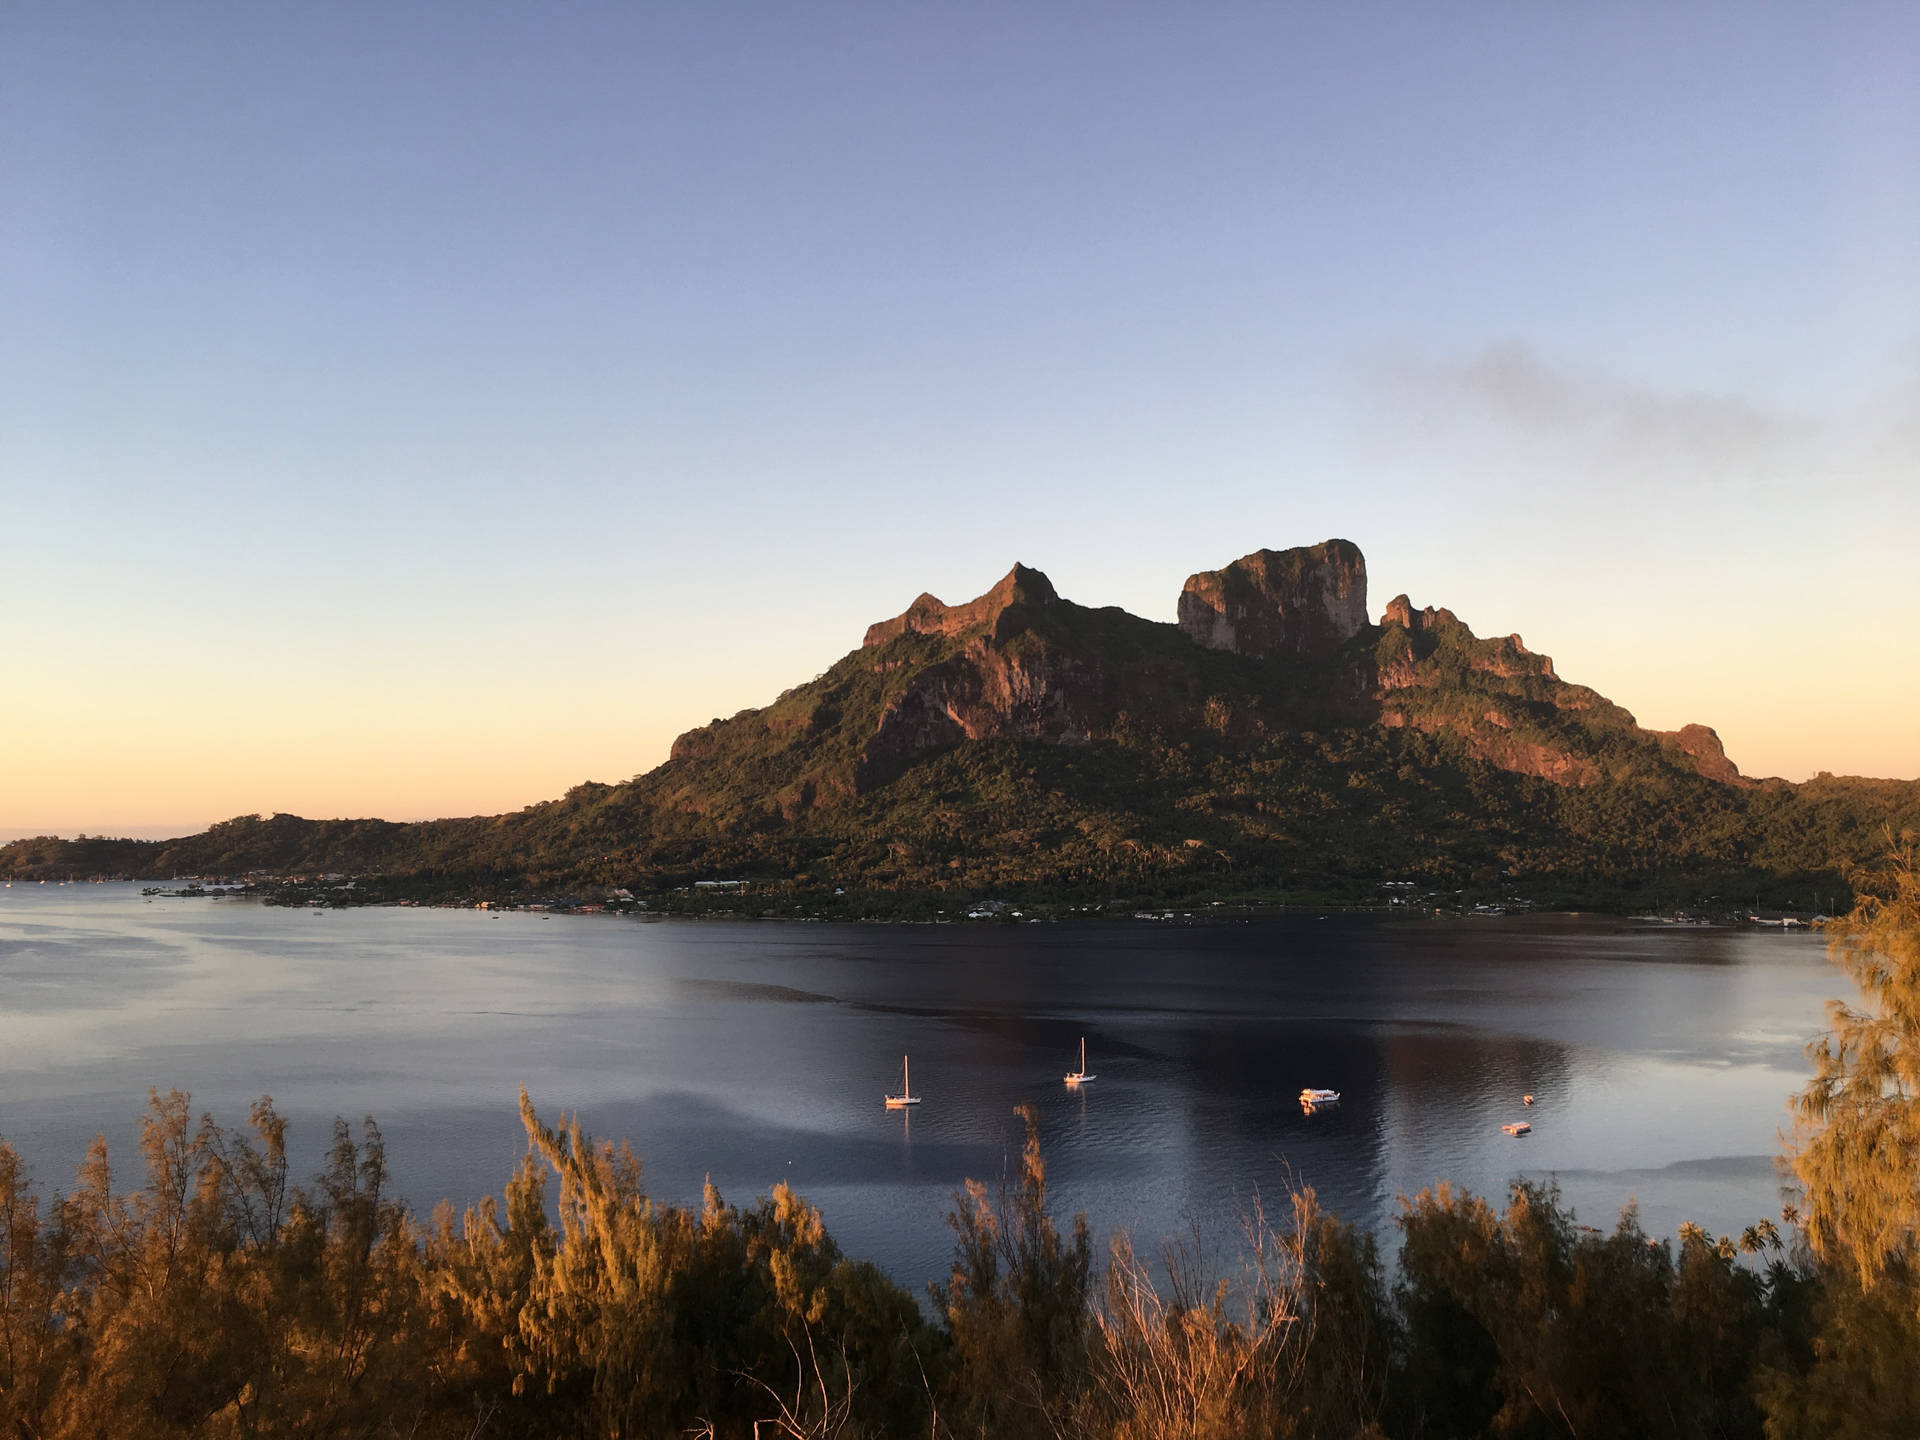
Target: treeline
point(1156, 818)
point(219, 1300)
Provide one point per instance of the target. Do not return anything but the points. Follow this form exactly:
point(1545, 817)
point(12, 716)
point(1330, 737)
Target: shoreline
point(919, 908)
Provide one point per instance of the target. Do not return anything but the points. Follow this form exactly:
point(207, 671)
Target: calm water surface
point(755, 1053)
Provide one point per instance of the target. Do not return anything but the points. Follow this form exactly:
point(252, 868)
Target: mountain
point(1274, 741)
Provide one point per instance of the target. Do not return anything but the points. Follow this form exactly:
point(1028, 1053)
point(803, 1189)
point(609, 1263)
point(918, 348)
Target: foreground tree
point(1857, 1156)
point(1016, 1304)
point(1525, 1324)
point(1858, 1136)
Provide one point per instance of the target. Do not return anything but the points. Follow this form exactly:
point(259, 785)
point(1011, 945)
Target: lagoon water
point(1662, 1057)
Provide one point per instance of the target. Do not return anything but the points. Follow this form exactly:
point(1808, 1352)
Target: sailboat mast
point(906, 1077)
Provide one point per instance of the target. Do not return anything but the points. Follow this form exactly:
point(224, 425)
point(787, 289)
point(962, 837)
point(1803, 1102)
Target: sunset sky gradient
point(415, 410)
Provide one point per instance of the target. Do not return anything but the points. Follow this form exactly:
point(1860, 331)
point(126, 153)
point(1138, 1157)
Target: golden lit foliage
point(1858, 1134)
point(1015, 1302)
point(218, 1300)
point(1185, 1362)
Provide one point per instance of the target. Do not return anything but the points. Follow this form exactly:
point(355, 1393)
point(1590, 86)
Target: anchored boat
point(906, 1096)
point(1080, 1076)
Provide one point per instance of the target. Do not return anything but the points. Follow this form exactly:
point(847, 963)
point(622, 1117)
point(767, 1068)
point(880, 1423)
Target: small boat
point(1518, 1127)
point(1080, 1076)
point(1311, 1098)
point(1526, 1099)
point(906, 1096)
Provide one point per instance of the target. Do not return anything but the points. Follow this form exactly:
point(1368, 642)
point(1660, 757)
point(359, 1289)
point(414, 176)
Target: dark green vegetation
point(220, 1301)
point(1273, 746)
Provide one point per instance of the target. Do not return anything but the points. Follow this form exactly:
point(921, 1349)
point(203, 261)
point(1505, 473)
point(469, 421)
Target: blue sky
point(416, 409)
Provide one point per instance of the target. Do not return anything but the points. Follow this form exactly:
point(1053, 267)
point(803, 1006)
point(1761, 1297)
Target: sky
point(416, 410)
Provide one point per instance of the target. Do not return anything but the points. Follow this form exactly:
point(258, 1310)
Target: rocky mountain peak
point(1400, 612)
point(1306, 602)
point(1498, 654)
point(999, 610)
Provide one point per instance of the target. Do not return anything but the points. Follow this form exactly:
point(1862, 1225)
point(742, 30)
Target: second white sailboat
point(1080, 1076)
point(906, 1096)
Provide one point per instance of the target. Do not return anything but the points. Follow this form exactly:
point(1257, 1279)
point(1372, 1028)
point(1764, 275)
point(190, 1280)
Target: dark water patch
point(753, 990)
point(1711, 1167)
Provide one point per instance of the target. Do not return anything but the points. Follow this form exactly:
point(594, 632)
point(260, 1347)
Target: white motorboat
point(906, 1096)
point(1518, 1127)
point(1080, 1076)
point(1311, 1097)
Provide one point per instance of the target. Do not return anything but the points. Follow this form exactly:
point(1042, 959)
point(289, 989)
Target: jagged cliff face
point(1701, 744)
point(1429, 630)
point(1276, 643)
point(989, 684)
point(1017, 663)
point(1506, 704)
point(1307, 602)
point(1020, 663)
point(1001, 613)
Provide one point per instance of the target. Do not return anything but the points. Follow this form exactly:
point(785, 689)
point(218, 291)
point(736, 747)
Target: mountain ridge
point(1274, 739)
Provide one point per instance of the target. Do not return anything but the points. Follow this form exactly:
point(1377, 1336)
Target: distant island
point(1275, 745)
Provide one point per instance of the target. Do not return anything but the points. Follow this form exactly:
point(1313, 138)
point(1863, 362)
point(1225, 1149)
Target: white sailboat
point(1080, 1076)
point(906, 1096)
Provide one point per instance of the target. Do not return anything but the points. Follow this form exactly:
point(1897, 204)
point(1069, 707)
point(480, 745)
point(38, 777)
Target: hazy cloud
point(1588, 424)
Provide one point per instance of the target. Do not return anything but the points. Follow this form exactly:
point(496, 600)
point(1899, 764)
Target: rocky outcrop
point(984, 693)
point(1400, 612)
point(702, 741)
point(1432, 673)
point(1701, 745)
point(1306, 603)
point(988, 689)
point(1427, 661)
point(1429, 629)
point(1003, 611)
